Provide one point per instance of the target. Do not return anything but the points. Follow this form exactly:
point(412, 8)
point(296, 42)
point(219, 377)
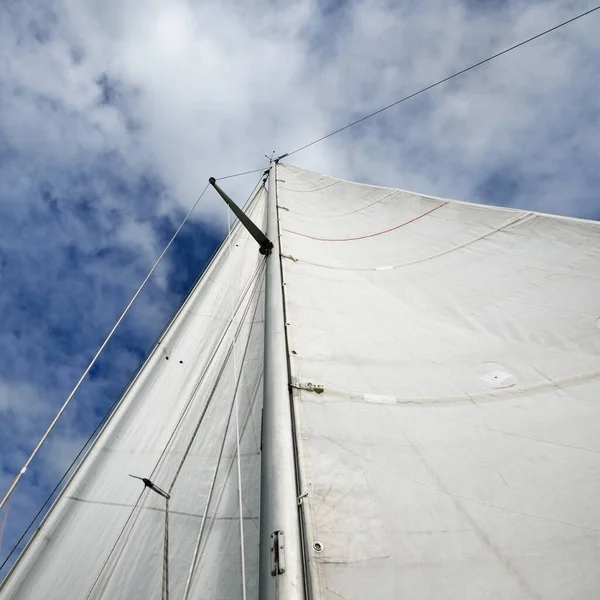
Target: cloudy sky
point(114, 113)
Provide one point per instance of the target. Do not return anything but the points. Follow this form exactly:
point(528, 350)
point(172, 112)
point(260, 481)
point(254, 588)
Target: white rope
point(194, 562)
point(237, 429)
point(188, 582)
point(94, 360)
point(165, 586)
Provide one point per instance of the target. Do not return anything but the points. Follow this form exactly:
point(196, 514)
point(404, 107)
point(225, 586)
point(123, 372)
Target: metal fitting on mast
point(266, 245)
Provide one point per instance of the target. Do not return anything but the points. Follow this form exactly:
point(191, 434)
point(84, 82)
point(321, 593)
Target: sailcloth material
point(454, 451)
point(445, 382)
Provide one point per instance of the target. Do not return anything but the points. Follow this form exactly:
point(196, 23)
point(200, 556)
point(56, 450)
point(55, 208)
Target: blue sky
point(114, 114)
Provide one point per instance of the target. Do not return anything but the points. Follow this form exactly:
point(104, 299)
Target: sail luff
point(281, 579)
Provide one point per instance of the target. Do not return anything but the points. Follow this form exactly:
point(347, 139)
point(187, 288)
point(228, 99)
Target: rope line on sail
point(237, 433)
point(216, 471)
point(363, 237)
point(165, 586)
point(193, 394)
point(441, 81)
point(98, 353)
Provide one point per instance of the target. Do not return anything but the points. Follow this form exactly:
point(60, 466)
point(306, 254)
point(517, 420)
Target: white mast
point(280, 550)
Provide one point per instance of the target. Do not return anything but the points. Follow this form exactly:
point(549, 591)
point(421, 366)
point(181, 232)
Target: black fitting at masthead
point(266, 245)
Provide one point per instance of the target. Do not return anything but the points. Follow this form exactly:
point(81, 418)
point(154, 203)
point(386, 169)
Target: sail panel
point(176, 425)
point(453, 450)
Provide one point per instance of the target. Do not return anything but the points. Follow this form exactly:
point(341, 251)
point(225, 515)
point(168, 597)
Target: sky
point(114, 113)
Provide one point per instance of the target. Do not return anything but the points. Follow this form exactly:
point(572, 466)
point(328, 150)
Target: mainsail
point(444, 381)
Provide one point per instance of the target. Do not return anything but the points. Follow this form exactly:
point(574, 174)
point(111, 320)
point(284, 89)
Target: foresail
point(453, 450)
point(105, 536)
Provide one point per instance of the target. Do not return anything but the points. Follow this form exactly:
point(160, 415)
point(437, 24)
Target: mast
point(281, 573)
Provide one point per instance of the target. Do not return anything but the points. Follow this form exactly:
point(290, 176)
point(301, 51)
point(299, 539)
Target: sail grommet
point(317, 546)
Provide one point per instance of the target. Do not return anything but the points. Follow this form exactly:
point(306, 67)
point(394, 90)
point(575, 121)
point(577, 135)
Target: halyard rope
point(237, 431)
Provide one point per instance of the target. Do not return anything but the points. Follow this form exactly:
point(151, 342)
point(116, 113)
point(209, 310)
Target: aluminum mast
point(281, 572)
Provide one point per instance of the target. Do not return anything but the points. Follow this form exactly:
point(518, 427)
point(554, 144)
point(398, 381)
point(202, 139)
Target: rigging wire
point(240, 174)
point(433, 85)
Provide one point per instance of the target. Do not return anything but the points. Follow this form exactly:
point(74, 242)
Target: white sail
point(176, 425)
point(445, 384)
point(454, 451)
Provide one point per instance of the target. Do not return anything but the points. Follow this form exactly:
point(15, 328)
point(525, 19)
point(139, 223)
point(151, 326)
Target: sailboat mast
point(281, 573)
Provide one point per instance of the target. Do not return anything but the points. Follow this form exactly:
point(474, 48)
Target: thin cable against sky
point(240, 174)
point(431, 86)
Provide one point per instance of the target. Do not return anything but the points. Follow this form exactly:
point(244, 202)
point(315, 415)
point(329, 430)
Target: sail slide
point(453, 451)
point(444, 385)
point(176, 426)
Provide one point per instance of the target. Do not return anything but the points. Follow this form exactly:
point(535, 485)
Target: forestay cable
point(429, 87)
